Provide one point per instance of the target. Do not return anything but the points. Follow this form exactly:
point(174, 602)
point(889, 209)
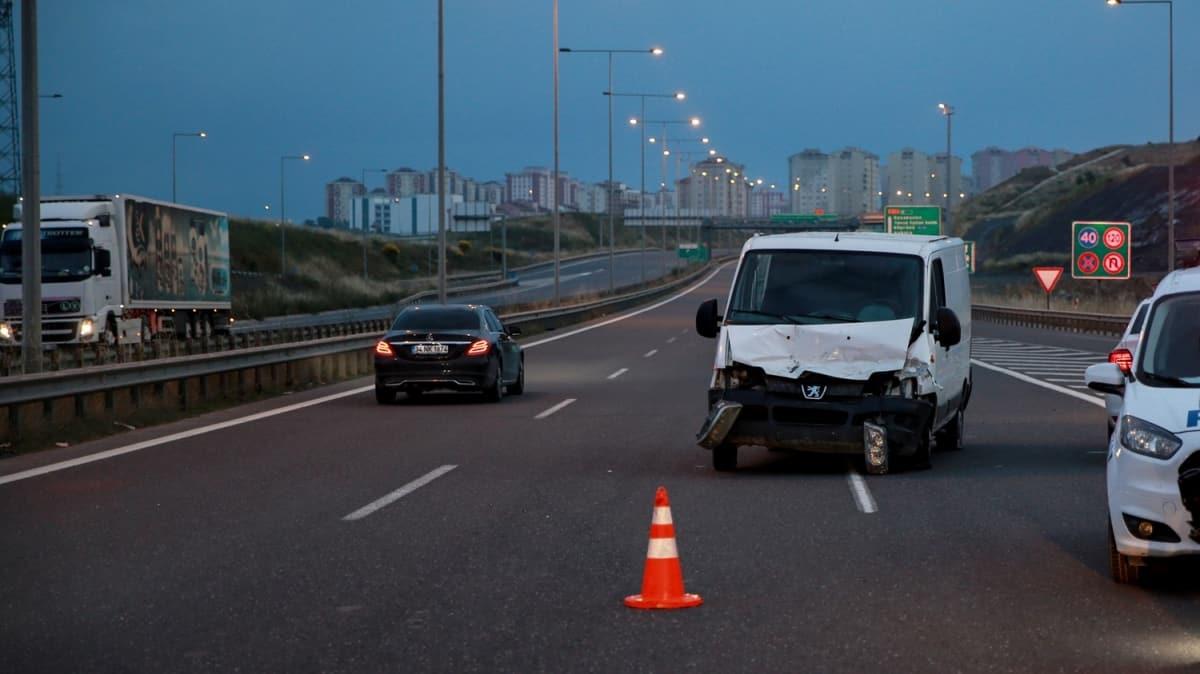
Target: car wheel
point(725, 458)
point(519, 387)
point(1119, 565)
point(496, 393)
point(950, 438)
point(384, 396)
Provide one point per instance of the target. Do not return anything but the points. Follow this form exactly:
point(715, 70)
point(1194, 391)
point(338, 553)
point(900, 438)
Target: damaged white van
point(847, 343)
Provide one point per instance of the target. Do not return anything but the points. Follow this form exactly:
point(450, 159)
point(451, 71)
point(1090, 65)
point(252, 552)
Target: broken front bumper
point(756, 417)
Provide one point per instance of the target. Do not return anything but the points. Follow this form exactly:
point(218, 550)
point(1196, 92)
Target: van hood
point(1175, 409)
point(841, 350)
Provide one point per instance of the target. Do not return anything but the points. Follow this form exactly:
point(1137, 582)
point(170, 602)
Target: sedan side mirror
point(1105, 378)
point(949, 330)
point(103, 262)
point(708, 321)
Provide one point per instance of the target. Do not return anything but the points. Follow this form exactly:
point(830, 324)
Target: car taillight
point(384, 349)
point(479, 347)
point(1123, 359)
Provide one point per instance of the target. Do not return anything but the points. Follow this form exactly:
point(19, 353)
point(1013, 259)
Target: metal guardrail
point(1103, 324)
point(23, 389)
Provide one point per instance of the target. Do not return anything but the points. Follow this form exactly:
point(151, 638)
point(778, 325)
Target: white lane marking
point(399, 493)
point(1038, 382)
point(862, 496)
point(191, 433)
point(649, 353)
point(618, 373)
point(118, 451)
point(699, 284)
point(671, 340)
point(554, 409)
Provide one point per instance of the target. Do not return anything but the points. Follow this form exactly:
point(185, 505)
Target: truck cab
point(848, 343)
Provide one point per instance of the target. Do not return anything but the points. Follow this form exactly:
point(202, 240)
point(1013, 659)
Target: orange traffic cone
point(662, 582)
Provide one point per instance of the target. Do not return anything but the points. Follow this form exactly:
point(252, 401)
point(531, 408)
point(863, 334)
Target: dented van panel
point(845, 351)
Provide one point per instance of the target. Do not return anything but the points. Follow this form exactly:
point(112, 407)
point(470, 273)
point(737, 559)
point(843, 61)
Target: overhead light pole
point(554, 176)
point(367, 198)
point(283, 210)
point(174, 138)
point(947, 112)
point(31, 214)
point(441, 132)
point(1170, 119)
point(693, 122)
point(610, 205)
point(634, 121)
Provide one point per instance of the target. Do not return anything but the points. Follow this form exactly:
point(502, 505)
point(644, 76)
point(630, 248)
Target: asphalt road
point(230, 549)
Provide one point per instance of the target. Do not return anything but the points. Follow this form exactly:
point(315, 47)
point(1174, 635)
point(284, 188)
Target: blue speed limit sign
point(1089, 237)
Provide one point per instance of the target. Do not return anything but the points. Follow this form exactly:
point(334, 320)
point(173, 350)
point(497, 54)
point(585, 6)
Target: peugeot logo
point(813, 391)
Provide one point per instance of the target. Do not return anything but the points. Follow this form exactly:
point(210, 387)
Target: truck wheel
point(1118, 564)
point(950, 438)
point(384, 396)
point(725, 458)
point(110, 336)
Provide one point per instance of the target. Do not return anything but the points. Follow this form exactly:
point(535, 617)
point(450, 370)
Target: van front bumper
point(827, 426)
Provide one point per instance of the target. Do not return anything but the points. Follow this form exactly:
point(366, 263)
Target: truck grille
point(53, 332)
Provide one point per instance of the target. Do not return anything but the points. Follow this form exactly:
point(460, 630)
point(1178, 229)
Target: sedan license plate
point(431, 349)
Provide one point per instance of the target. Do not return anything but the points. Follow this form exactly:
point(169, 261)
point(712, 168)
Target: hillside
point(1026, 220)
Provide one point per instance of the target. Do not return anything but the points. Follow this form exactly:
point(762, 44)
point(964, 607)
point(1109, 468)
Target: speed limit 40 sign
point(1100, 250)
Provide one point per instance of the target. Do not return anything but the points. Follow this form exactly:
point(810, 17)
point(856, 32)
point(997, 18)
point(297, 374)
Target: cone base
point(682, 601)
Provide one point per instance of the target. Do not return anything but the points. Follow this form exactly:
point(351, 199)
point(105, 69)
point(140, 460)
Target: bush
point(464, 246)
point(392, 252)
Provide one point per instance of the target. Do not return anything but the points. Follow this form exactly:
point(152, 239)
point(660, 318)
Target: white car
point(1153, 469)
point(1122, 355)
point(847, 343)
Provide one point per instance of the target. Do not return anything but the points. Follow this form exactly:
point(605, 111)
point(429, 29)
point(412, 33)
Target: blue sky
point(353, 83)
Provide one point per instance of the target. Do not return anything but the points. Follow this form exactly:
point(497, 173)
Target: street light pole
point(283, 211)
point(1170, 120)
point(175, 137)
point(31, 213)
point(554, 176)
point(441, 177)
point(948, 113)
point(640, 122)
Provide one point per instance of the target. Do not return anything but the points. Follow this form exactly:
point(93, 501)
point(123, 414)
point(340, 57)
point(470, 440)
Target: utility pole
point(441, 178)
point(31, 211)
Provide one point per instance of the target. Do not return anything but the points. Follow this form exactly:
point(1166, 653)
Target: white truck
point(119, 268)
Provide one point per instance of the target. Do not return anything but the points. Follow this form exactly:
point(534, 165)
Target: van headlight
point(6, 331)
point(87, 328)
point(1143, 437)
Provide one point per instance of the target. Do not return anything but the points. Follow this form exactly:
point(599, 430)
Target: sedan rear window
point(436, 318)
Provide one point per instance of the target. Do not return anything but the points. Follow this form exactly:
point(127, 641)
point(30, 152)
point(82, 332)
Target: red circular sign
point(1088, 263)
point(1114, 263)
point(1114, 238)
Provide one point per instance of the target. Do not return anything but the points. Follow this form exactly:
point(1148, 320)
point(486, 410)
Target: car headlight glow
point(86, 327)
point(1143, 437)
point(6, 331)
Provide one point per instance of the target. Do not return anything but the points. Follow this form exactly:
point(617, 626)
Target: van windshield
point(820, 286)
point(1171, 343)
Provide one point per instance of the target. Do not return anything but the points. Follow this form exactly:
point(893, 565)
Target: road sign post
point(920, 220)
point(1100, 250)
point(1048, 278)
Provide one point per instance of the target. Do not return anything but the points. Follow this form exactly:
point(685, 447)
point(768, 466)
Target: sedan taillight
point(479, 347)
point(384, 349)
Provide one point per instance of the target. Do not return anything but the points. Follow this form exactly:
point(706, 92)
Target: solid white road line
point(554, 409)
point(649, 353)
point(399, 493)
point(862, 496)
point(1038, 382)
point(671, 340)
point(108, 454)
point(618, 373)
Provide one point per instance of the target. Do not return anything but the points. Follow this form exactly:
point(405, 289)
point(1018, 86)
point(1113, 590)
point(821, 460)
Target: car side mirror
point(1105, 378)
point(949, 330)
point(103, 262)
point(708, 321)
point(513, 331)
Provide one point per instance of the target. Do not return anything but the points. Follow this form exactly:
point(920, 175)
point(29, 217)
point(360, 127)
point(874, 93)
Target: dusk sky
point(354, 84)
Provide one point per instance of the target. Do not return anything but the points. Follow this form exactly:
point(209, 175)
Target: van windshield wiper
point(831, 317)
point(766, 314)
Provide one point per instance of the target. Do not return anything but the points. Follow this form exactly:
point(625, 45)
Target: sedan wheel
point(496, 393)
point(519, 387)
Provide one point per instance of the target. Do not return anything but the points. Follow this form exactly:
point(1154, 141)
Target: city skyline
point(353, 94)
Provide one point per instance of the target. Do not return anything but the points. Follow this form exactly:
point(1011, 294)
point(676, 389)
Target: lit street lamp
point(693, 122)
point(283, 211)
point(1170, 119)
point(633, 121)
point(948, 113)
point(174, 137)
point(654, 51)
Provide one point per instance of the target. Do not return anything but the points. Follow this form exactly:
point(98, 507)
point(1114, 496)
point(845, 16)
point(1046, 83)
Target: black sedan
point(456, 347)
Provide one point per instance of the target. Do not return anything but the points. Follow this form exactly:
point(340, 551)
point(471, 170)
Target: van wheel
point(950, 438)
point(1118, 564)
point(725, 458)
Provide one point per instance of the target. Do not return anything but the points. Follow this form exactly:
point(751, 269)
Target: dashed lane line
point(555, 408)
point(649, 353)
point(399, 493)
point(862, 495)
point(618, 373)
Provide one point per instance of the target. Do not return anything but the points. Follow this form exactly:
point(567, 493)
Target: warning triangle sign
point(1048, 277)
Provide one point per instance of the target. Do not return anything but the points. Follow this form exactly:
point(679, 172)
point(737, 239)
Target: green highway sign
point(693, 251)
point(969, 248)
point(1100, 250)
point(922, 220)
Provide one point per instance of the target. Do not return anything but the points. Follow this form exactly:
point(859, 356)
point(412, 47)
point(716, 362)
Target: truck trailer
point(120, 268)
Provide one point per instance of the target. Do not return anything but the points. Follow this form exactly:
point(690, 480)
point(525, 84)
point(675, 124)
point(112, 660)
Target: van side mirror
point(708, 321)
point(103, 262)
point(1105, 378)
point(949, 330)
